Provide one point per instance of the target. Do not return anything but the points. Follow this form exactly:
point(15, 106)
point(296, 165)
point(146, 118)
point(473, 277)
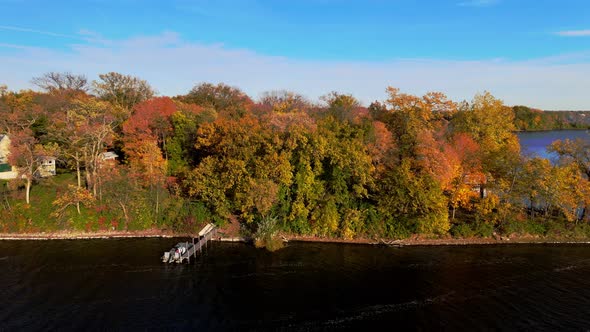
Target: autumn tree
point(535, 183)
point(419, 160)
point(238, 155)
point(180, 147)
point(575, 153)
point(84, 131)
point(28, 156)
point(346, 176)
point(224, 99)
point(343, 107)
point(283, 101)
point(151, 119)
point(18, 117)
point(73, 196)
point(18, 111)
point(122, 90)
point(54, 82)
point(464, 157)
point(491, 125)
point(411, 120)
point(412, 202)
point(123, 193)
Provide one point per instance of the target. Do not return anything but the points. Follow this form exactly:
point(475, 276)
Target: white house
point(7, 172)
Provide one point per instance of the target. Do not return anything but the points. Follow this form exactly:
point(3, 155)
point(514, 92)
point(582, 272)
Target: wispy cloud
point(478, 3)
point(82, 35)
point(574, 33)
point(17, 47)
point(173, 65)
point(39, 32)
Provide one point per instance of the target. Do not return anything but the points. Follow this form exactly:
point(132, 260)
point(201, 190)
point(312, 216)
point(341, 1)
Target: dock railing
point(198, 243)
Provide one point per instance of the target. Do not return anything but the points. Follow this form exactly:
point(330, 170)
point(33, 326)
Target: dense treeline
point(529, 119)
point(405, 165)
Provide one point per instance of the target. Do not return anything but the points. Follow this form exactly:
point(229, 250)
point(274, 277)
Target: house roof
point(109, 155)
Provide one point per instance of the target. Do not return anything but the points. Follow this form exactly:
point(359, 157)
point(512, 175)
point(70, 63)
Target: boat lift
point(183, 251)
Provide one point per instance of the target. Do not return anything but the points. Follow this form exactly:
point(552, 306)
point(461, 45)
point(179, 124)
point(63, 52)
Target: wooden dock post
point(194, 249)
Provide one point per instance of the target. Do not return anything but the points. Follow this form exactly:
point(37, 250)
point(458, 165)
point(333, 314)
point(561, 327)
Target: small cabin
point(47, 167)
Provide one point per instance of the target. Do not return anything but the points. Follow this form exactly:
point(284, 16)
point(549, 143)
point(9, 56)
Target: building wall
point(7, 172)
point(47, 168)
point(4, 149)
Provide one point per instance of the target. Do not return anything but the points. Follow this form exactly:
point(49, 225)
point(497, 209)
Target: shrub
point(352, 224)
point(462, 231)
point(433, 223)
point(397, 229)
point(581, 231)
point(531, 227)
point(483, 229)
point(557, 229)
point(266, 235)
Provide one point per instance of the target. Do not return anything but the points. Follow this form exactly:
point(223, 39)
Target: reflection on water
point(106, 284)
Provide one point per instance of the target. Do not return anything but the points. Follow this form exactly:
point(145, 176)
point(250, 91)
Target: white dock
point(183, 251)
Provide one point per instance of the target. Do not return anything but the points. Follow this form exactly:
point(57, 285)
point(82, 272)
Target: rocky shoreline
point(415, 241)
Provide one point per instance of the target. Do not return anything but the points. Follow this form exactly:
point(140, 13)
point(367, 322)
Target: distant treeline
point(405, 165)
point(530, 119)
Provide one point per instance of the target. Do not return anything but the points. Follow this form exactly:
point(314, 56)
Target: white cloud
point(173, 65)
point(478, 3)
point(574, 33)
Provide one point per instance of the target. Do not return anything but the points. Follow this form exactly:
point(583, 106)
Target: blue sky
point(525, 52)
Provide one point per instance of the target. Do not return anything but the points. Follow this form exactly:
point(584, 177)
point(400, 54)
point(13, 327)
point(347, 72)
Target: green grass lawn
point(17, 216)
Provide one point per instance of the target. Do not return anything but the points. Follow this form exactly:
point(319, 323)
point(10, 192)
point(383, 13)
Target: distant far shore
point(555, 129)
point(413, 241)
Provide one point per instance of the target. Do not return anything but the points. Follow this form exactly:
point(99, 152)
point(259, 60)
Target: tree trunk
point(78, 173)
point(28, 191)
point(94, 184)
point(125, 214)
point(88, 180)
point(157, 200)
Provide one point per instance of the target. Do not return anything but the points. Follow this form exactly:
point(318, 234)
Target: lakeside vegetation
point(530, 119)
point(407, 165)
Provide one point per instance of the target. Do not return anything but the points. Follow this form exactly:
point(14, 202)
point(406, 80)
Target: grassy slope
point(37, 216)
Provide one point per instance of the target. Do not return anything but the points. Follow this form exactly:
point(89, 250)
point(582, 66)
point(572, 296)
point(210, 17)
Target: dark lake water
point(122, 285)
point(536, 142)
